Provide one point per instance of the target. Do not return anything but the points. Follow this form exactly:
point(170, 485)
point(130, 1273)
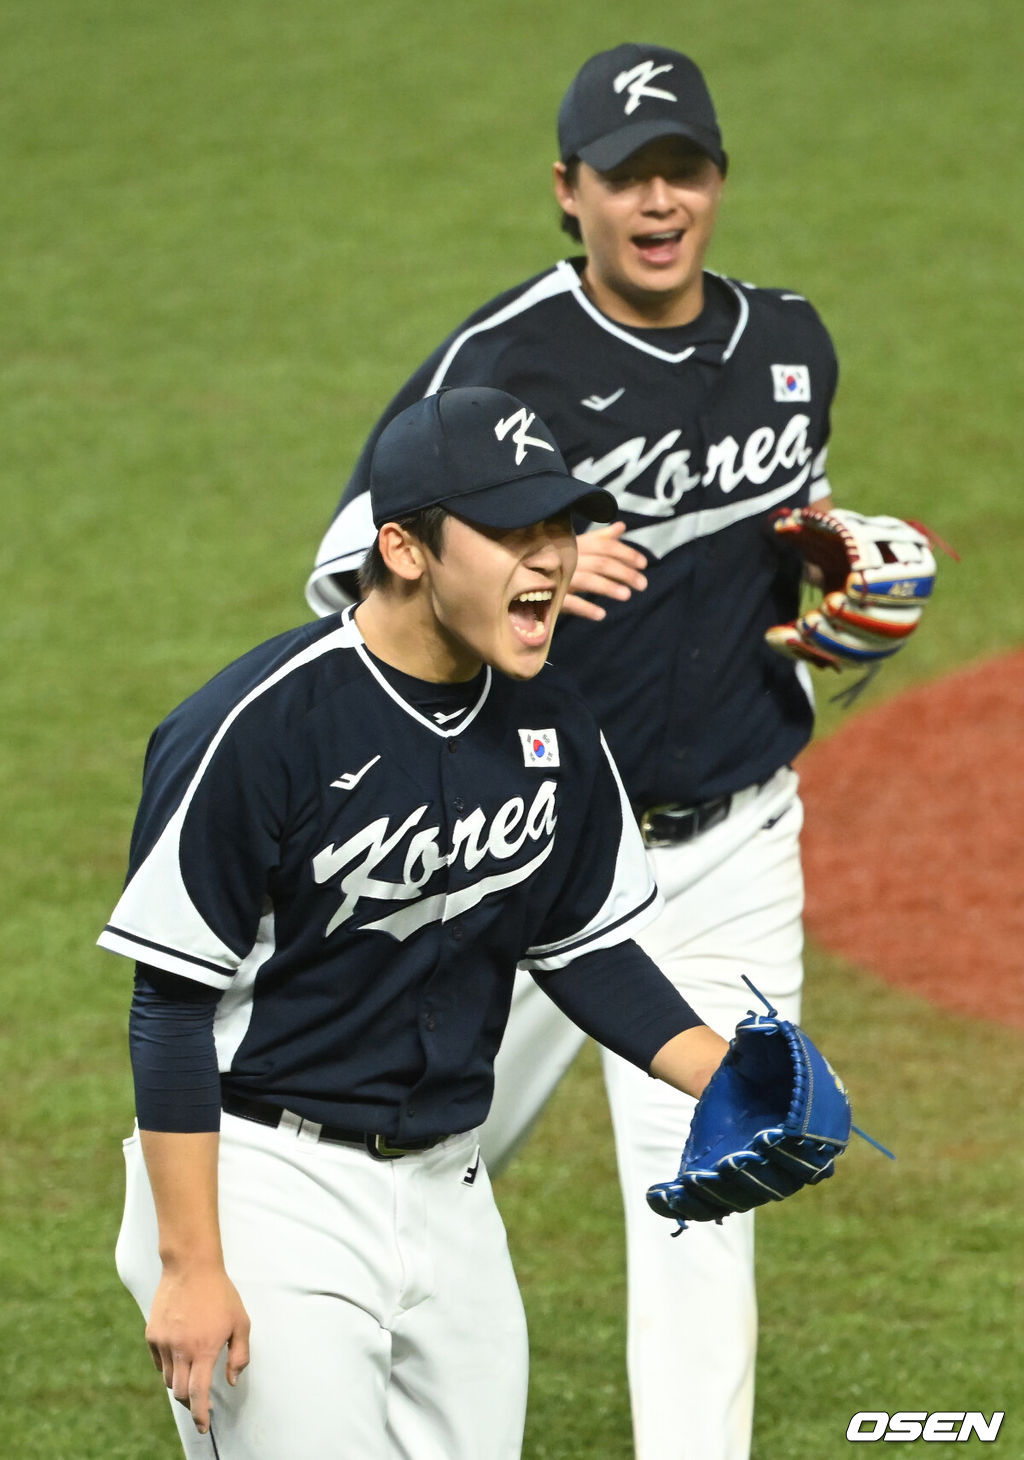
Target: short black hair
point(426, 524)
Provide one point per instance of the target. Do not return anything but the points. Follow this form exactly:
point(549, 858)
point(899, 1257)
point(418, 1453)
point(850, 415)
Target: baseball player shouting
point(702, 404)
point(346, 842)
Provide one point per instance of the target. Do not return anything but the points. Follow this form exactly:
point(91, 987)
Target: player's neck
point(641, 310)
point(398, 629)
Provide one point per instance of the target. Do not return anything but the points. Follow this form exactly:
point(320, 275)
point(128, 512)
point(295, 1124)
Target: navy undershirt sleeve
point(621, 997)
point(173, 1053)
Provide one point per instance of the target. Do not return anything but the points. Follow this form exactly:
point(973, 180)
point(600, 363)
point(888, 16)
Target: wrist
point(191, 1259)
point(690, 1059)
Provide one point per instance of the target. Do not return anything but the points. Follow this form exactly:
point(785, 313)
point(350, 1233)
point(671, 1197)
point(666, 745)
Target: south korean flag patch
point(791, 382)
point(540, 747)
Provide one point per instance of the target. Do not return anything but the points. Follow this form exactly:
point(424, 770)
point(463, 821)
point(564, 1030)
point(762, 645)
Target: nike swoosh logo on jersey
point(442, 719)
point(601, 403)
point(352, 778)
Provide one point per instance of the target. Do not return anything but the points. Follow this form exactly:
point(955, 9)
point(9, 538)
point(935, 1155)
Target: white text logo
point(637, 83)
point(525, 420)
point(473, 839)
point(910, 1424)
point(728, 462)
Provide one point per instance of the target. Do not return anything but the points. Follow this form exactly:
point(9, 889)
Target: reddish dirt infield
point(914, 840)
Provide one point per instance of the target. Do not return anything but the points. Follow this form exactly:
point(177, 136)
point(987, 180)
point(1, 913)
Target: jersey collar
point(574, 283)
point(357, 642)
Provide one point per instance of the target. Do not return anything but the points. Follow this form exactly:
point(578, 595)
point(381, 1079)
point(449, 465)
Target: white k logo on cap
point(637, 83)
point(525, 420)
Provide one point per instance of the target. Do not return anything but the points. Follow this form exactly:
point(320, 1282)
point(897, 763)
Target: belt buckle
point(646, 833)
point(379, 1149)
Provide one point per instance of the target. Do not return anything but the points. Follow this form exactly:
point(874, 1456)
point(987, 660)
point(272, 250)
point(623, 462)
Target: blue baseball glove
point(773, 1118)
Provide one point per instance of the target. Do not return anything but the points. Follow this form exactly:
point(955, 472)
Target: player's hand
point(194, 1315)
point(607, 566)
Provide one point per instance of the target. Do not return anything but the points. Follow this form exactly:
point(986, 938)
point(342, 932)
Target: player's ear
point(564, 179)
point(402, 552)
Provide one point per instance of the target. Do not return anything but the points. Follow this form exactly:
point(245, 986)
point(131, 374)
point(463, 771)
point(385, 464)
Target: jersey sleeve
point(609, 893)
point(622, 999)
point(206, 842)
point(173, 1052)
point(820, 486)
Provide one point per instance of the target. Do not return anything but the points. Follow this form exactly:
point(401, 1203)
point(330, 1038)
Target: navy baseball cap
point(482, 455)
point(621, 99)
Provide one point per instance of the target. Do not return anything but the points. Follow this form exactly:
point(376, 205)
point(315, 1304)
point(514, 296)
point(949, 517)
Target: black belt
point(668, 825)
point(379, 1146)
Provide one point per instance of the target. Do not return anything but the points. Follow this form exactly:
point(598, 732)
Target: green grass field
point(229, 228)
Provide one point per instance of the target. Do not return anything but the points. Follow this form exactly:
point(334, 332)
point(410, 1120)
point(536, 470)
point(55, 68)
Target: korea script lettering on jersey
point(329, 856)
point(474, 840)
point(728, 464)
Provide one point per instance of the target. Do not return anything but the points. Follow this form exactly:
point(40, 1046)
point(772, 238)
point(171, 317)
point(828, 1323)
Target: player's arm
point(196, 1311)
point(689, 1059)
point(771, 1115)
point(623, 1000)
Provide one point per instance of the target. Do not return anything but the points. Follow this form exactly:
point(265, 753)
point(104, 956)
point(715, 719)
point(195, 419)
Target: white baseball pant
point(733, 905)
point(386, 1318)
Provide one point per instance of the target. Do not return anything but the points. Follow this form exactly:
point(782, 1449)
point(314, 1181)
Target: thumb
point(611, 529)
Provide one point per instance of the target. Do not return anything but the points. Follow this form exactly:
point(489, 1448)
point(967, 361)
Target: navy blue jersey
point(361, 876)
point(700, 433)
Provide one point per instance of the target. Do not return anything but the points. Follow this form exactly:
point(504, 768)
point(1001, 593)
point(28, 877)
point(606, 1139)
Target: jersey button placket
point(457, 801)
point(455, 792)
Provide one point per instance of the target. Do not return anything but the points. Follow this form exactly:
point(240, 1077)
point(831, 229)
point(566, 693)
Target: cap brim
point(610, 151)
point(532, 499)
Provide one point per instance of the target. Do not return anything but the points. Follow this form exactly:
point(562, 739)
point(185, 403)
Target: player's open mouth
point(658, 248)
point(529, 614)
